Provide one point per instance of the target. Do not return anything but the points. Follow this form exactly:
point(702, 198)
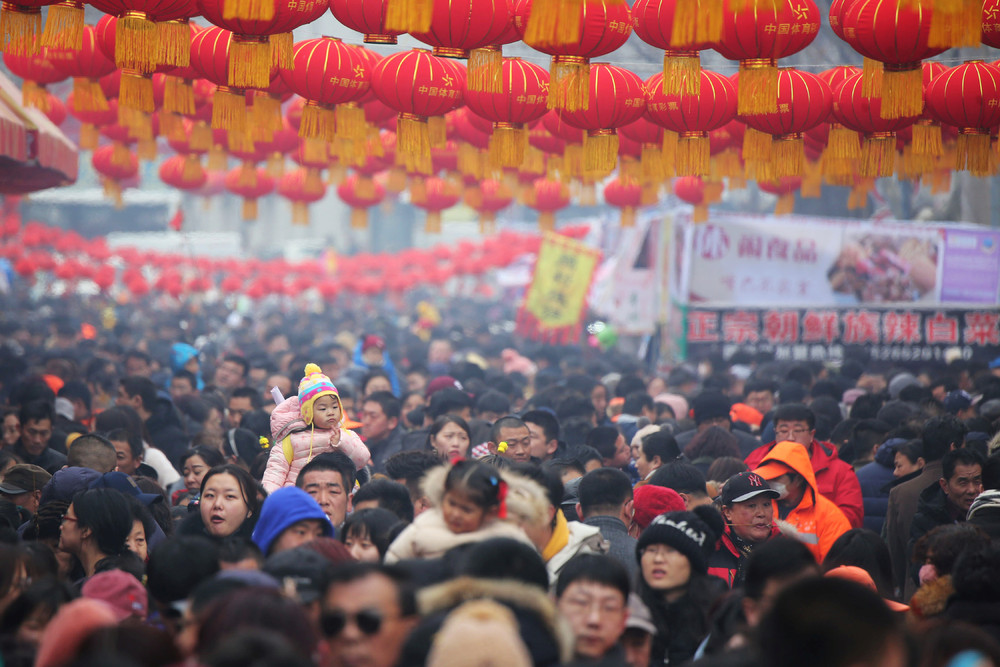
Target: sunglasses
point(332, 623)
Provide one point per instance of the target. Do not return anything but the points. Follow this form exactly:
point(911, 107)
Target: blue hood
point(886, 453)
point(283, 508)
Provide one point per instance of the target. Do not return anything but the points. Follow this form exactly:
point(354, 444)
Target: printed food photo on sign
point(877, 268)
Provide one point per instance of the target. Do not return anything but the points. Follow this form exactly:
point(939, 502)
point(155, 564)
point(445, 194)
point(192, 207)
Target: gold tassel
point(508, 144)
point(941, 182)
point(136, 44)
point(488, 222)
point(812, 181)
point(569, 83)
point(546, 221)
point(712, 192)
point(282, 47)
point(250, 10)
point(314, 150)
point(201, 137)
point(485, 72)
point(871, 78)
point(120, 155)
point(174, 41)
point(136, 91)
point(364, 188)
point(113, 191)
point(684, 31)
point(64, 26)
point(396, 182)
point(433, 223)
point(239, 142)
point(788, 155)
point(335, 174)
point(785, 205)
point(146, 149)
point(555, 22)
point(351, 122)
point(757, 145)
point(89, 136)
point(229, 110)
point(418, 191)
point(693, 152)
point(972, 152)
point(313, 183)
point(138, 123)
point(843, 143)
point(359, 218)
point(650, 194)
point(628, 217)
point(878, 155)
point(670, 140)
point(276, 169)
point(318, 122)
point(700, 214)
point(955, 23)
point(217, 158)
point(710, 13)
point(902, 91)
point(247, 177)
point(178, 96)
point(249, 61)
point(249, 210)
point(927, 138)
point(651, 164)
point(757, 92)
point(409, 15)
point(681, 72)
point(20, 29)
point(437, 131)
point(88, 95)
point(265, 116)
point(600, 153)
point(300, 213)
point(35, 96)
point(413, 137)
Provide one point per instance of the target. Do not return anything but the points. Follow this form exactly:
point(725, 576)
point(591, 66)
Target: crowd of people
point(190, 484)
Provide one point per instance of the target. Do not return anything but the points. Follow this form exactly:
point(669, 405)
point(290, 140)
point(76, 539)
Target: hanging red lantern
point(522, 100)
point(360, 199)
point(366, 17)
point(434, 195)
point(457, 26)
point(691, 189)
point(263, 185)
point(136, 37)
point(37, 71)
point(681, 28)
point(785, 189)
point(990, 22)
point(618, 97)
point(487, 198)
point(690, 119)
point(649, 136)
point(86, 65)
point(625, 194)
point(897, 37)
point(56, 110)
point(757, 33)
point(108, 162)
point(183, 172)
point(90, 121)
point(547, 197)
point(301, 190)
point(21, 26)
point(605, 25)
point(968, 97)
point(863, 114)
point(404, 82)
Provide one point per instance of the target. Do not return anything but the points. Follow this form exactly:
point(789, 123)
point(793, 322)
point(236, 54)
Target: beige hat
point(482, 633)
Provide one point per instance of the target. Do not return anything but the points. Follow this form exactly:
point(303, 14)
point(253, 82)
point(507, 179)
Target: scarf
point(559, 539)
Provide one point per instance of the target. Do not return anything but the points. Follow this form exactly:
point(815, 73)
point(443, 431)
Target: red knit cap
point(652, 501)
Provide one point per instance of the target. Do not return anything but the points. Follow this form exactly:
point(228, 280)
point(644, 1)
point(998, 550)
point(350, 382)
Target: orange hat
point(741, 412)
point(54, 382)
point(860, 576)
point(773, 470)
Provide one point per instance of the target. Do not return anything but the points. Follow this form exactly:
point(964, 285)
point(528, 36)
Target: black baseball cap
point(744, 486)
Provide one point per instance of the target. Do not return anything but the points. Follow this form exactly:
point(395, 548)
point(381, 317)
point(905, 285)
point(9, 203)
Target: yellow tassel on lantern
point(713, 192)
point(902, 91)
point(878, 155)
point(249, 210)
point(282, 46)
point(351, 122)
point(20, 29)
point(758, 90)
point(314, 150)
point(788, 155)
point(508, 144)
point(409, 15)
point(955, 23)
point(843, 143)
point(396, 182)
point(359, 218)
point(335, 174)
point(684, 30)
point(300, 213)
point(217, 158)
point(569, 83)
point(136, 91)
point(555, 22)
point(318, 122)
point(710, 13)
point(88, 95)
point(650, 194)
point(600, 154)
point(871, 78)
point(89, 136)
point(972, 151)
point(628, 217)
point(812, 181)
point(201, 137)
point(250, 10)
point(700, 214)
point(120, 155)
point(487, 222)
point(138, 123)
point(275, 167)
point(757, 145)
point(485, 71)
point(239, 142)
point(433, 223)
point(229, 110)
point(693, 151)
point(249, 61)
point(192, 169)
point(681, 73)
point(413, 137)
point(546, 221)
point(136, 43)
point(174, 43)
point(35, 96)
point(64, 26)
point(247, 176)
point(785, 205)
point(178, 96)
point(670, 140)
point(651, 164)
point(113, 191)
point(927, 138)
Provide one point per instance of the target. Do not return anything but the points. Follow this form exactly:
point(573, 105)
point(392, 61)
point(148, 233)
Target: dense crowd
point(390, 483)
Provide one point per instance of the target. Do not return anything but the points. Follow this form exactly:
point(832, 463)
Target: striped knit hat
point(312, 386)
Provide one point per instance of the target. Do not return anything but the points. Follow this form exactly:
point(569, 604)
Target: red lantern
point(618, 97)
point(991, 23)
point(90, 121)
point(968, 97)
point(625, 194)
point(136, 37)
point(86, 65)
point(674, 26)
point(37, 72)
point(862, 114)
point(547, 196)
point(897, 36)
point(604, 26)
point(302, 189)
point(404, 81)
point(691, 189)
point(360, 194)
point(691, 118)
point(488, 198)
point(785, 189)
point(21, 26)
point(649, 136)
point(367, 17)
point(183, 172)
point(457, 26)
point(114, 167)
point(521, 101)
point(434, 195)
point(757, 33)
point(264, 185)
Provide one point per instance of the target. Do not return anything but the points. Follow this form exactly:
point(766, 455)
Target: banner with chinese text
point(554, 304)
point(826, 334)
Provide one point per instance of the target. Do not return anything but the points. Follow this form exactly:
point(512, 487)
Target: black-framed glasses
point(369, 622)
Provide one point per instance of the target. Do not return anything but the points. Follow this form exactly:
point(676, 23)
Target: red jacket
point(835, 479)
point(727, 561)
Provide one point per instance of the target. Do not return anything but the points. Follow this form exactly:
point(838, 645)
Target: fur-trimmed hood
point(527, 502)
point(521, 597)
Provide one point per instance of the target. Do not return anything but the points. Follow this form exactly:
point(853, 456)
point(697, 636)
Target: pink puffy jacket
point(307, 443)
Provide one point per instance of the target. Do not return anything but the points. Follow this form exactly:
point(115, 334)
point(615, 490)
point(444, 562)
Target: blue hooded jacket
point(873, 479)
point(283, 508)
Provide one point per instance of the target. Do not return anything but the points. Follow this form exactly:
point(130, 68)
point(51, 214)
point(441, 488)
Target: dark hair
point(841, 434)
point(595, 568)
point(257, 422)
point(409, 469)
point(390, 495)
point(211, 457)
point(106, 513)
point(939, 434)
point(493, 401)
point(508, 421)
point(479, 482)
point(176, 567)
point(559, 466)
point(961, 456)
point(130, 643)
point(136, 353)
point(346, 573)
point(546, 420)
point(195, 408)
point(249, 487)
point(238, 359)
point(636, 401)
point(76, 389)
point(333, 462)
point(604, 490)
point(371, 375)
point(187, 375)
point(121, 416)
point(546, 477)
point(390, 405)
point(976, 575)
point(795, 412)
point(248, 392)
point(603, 439)
point(778, 558)
point(866, 406)
point(160, 511)
point(680, 476)
point(257, 608)
point(504, 558)
point(574, 405)
point(379, 525)
point(911, 450)
point(36, 411)
point(443, 421)
point(143, 387)
point(134, 441)
point(92, 451)
point(256, 646)
point(628, 384)
point(755, 385)
point(943, 544)
point(867, 550)
point(714, 442)
point(725, 467)
point(47, 594)
point(585, 454)
point(234, 548)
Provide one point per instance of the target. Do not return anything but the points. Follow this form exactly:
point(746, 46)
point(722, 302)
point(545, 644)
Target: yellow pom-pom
point(501, 448)
point(313, 368)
